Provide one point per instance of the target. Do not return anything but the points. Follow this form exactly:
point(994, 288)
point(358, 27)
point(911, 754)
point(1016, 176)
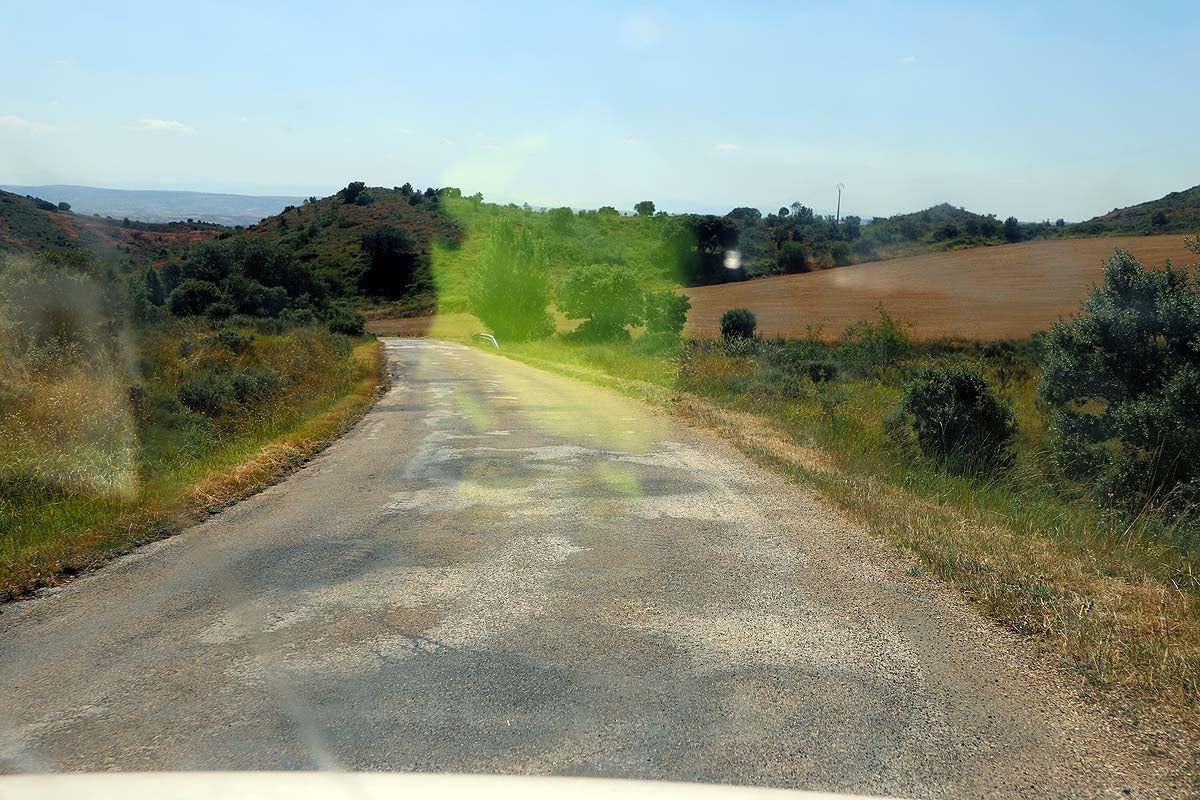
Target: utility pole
point(839, 208)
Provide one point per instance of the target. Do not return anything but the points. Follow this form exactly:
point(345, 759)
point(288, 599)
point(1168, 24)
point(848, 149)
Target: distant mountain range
point(162, 206)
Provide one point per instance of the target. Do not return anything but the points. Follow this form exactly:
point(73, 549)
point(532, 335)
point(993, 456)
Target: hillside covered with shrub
point(30, 224)
point(131, 394)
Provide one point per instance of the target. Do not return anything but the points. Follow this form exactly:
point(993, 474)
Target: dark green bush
point(1124, 380)
point(210, 392)
point(298, 318)
point(254, 384)
point(841, 253)
point(820, 371)
point(793, 258)
point(232, 340)
point(958, 420)
point(345, 320)
point(738, 323)
point(194, 297)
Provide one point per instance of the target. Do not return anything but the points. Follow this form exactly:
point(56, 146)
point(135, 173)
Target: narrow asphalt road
point(503, 570)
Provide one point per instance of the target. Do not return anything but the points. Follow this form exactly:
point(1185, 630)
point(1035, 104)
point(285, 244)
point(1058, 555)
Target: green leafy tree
point(644, 208)
point(1124, 379)
point(393, 257)
point(511, 287)
point(793, 258)
point(352, 191)
point(561, 219)
point(851, 227)
point(606, 297)
point(666, 312)
point(745, 215)
point(802, 214)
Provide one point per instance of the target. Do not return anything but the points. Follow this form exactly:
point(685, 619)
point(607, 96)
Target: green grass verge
point(183, 473)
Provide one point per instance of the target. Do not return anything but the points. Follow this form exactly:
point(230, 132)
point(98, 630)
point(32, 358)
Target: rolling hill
point(161, 206)
point(1177, 212)
point(1001, 292)
point(28, 224)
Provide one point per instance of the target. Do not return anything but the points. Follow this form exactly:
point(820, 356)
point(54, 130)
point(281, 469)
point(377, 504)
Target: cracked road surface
point(503, 570)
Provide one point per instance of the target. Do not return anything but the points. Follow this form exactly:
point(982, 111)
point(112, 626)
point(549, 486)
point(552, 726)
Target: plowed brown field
point(1002, 292)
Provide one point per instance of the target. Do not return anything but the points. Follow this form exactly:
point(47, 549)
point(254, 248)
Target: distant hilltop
point(153, 205)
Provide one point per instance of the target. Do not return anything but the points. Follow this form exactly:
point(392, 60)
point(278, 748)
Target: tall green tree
point(511, 288)
point(1012, 229)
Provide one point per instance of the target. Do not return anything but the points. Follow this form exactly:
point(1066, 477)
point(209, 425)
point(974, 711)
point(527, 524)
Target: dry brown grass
point(57, 559)
point(1003, 292)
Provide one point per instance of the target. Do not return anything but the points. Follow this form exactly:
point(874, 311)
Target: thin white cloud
point(908, 60)
point(14, 122)
point(404, 131)
point(163, 125)
point(644, 29)
point(447, 140)
point(728, 147)
point(630, 141)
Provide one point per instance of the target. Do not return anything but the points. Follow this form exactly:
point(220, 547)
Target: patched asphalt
point(503, 570)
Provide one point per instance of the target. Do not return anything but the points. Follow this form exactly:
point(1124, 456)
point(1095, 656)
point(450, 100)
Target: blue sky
point(1024, 109)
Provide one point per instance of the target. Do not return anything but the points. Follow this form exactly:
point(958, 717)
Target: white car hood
point(367, 786)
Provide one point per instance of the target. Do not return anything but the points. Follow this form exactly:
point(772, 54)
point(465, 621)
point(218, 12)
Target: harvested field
point(1003, 292)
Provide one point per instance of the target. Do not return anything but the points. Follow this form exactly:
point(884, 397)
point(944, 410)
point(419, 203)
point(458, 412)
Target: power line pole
point(839, 208)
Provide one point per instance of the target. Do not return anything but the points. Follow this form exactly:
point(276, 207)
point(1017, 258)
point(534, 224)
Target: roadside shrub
point(666, 312)
point(958, 420)
point(1123, 378)
point(820, 371)
point(210, 392)
point(738, 323)
point(232, 339)
point(345, 320)
point(254, 384)
point(605, 296)
point(867, 347)
point(898, 426)
point(298, 318)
